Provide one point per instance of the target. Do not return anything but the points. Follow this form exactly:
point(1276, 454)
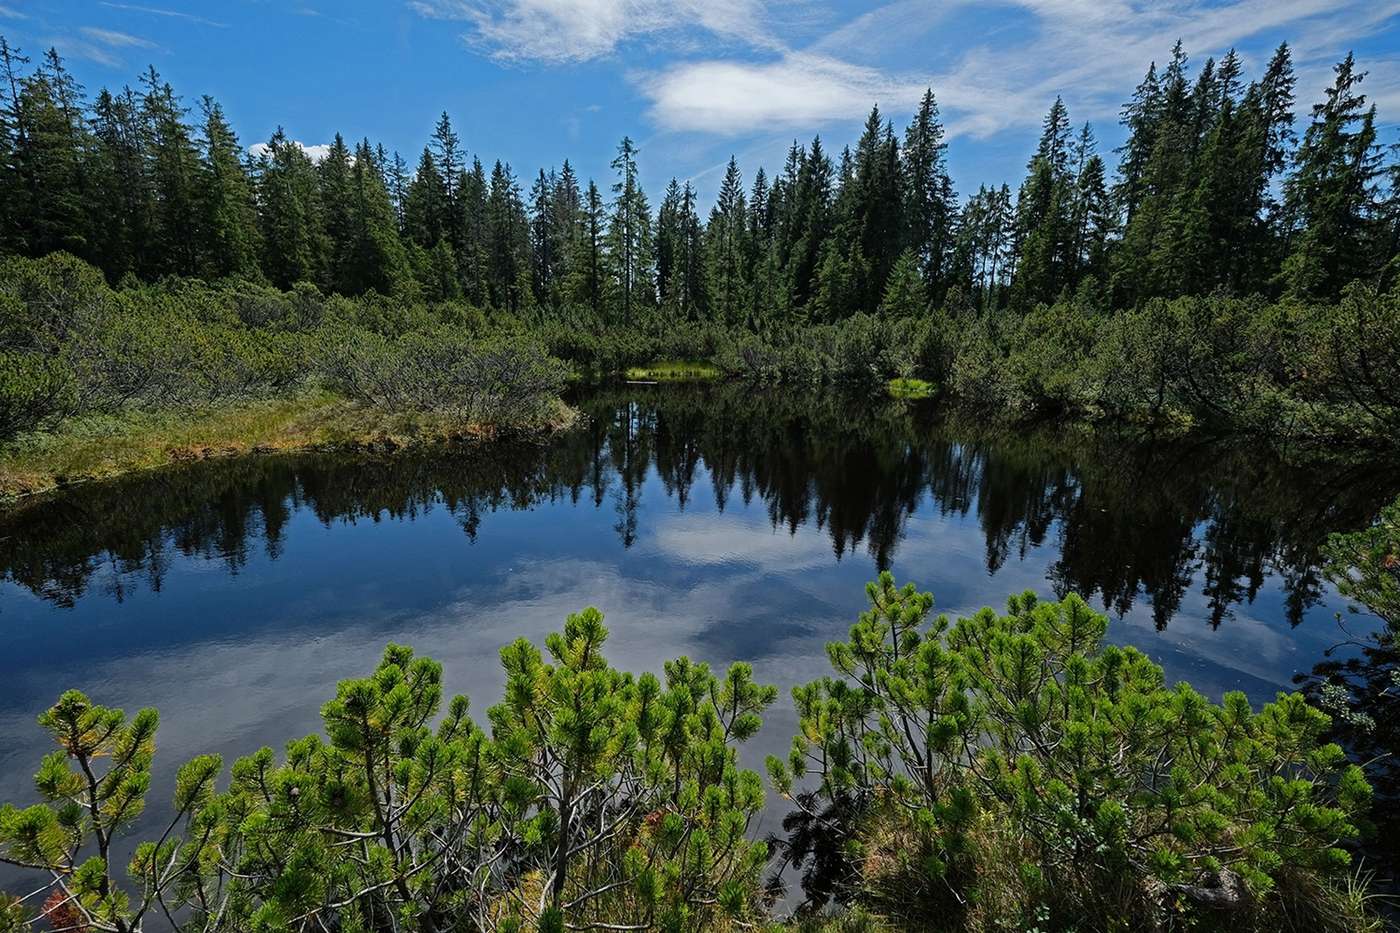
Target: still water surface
point(707, 521)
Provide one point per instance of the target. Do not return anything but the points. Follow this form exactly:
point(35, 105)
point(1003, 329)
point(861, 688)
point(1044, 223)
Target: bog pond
point(708, 521)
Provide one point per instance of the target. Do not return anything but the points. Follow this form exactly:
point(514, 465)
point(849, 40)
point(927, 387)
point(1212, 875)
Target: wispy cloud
point(1091, 51)
point(116, 40)
point(160, 11)
point(740, 67)
point(11, 13)
point(558, 31)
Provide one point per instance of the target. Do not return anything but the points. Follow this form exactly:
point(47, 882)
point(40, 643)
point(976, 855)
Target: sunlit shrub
point(1017, 750)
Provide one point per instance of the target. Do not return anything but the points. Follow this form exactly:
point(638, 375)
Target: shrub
point(34, 392)
point(441, 370)
point(1017, 752)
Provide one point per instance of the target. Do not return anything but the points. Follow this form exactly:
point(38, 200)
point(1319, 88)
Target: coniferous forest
point(1230, 274)
point(1232, 263)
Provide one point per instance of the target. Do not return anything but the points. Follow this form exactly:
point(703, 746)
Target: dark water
point(712, 522)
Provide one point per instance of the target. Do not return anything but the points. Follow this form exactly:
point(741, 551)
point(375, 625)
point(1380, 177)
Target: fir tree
point(289, 209)
point(228, 213)
point(629, 238)
point(930, 203)
point(726, 243)
point(1331, 192)
point(174, 173)
point(374, 257)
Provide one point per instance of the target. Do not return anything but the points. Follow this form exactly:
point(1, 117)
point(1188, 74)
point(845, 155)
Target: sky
point(533, 82)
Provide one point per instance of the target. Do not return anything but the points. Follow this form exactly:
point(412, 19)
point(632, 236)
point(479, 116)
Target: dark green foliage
point(959, 759)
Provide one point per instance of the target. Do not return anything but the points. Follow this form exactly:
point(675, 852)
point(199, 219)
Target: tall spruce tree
point(630, 261)
point(175, 174)
point(1045, 230)
point(930, 202)
point(588, 265)
point(508, 233)
point(53, 210)
point(227, 210)
point(425, 205)
point(122, 203)
point(289, 209)
point(726, 248)
point(374, 259)
point(1331, 193)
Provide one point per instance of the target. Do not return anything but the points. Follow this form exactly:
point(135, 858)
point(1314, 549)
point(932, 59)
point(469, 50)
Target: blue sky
point(536, 81)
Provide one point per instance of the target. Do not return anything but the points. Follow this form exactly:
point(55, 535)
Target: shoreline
point(104, 448)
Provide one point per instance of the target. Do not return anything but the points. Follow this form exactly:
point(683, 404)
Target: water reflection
point(712, 522)
point(1127, 520)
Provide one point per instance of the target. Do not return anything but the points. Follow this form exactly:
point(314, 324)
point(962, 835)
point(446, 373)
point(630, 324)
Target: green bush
point(595, 796)
point(1015, 762)
point(35, 391)
point(442, 370)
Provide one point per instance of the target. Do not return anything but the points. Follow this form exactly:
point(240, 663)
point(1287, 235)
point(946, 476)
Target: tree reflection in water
point(1131, 519)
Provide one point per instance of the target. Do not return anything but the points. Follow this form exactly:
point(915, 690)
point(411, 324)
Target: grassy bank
point(910, 389)
point(673, 371)
point(101, 447)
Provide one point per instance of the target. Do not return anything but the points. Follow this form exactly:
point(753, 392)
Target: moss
point(673, 371)
point(912, 389)
point(101, 447)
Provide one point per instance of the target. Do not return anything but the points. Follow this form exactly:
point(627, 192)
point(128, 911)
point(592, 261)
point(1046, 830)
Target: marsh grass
point(912, 389)
point(104, 446)
point(673, 371)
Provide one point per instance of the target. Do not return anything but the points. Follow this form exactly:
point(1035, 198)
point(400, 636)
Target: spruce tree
point(294, 243)
point(122, 203)
point(425, 204)
point(1330, 195)
point(508, 242)
point(49, 157)
point(175, 173)
point(906, 296)
point(668, 244)
point(473, 261)
point(546, 242)
point(588, 264)
point(566, 205)
point(336, 213)
point(761, 264)
point(374, 259)
point(629, 253)
point(726, 248)
point(930, 203)
point(1045, 229)
point(228, 213)
point(12, 138)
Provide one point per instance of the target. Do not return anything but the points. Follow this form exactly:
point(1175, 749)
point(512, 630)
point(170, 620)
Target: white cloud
point(315, 153)
point(10, 13)
point(797, 90)
point(557, 31)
